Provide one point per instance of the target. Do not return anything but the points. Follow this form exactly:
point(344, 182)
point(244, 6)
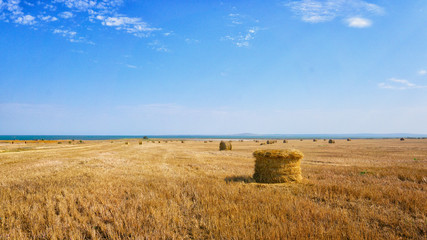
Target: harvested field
point(362, 189)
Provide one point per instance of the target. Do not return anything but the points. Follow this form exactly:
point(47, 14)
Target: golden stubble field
point(363, 189)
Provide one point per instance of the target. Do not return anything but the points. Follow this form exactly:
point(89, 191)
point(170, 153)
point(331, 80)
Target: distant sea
point(233, 136)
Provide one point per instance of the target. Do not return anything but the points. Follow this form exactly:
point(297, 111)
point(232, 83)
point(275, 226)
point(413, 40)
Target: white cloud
point(242, 39)
point(65, 33)
point(49, 7)
point(66, 15)
point(131, 66)
point(315, 11)
point(235, 18)
point(192, 41)
point(81, 5)
point(399, 84)
point(26, 20)
point(422, 72)
point(242, 29)
point(48, 18)
point(358, 22)
point(158, 46)
point(104, 12)
point(134, 26)
point(14, 12)
point(71, 36)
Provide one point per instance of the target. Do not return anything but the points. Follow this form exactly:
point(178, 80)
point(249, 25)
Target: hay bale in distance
point(182, 141)
point(348, 139)
point(314, 140)
point(225, 146)
point(127, 143)
point(277, 166)
point(140, 142)
point(331, 141)
point(285, 141)
point(402, 139)
point(206, 141)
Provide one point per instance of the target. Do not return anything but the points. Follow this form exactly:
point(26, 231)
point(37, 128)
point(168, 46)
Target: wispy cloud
point(131, 66)
point(242, 29)
point(235, 18)
point(131, 25)
point(242, 39)
point(47, 18)
point(422, 72)
point(399, 84)
point(315, 11)
point(158, 46)
point(104, 12)
point(71, 36)
point(192, 41)
point(66, 15)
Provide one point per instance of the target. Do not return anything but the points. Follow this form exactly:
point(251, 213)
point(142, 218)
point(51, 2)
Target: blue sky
point(213, 67)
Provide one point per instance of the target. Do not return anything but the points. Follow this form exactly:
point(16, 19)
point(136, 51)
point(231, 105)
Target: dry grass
point(363, 189)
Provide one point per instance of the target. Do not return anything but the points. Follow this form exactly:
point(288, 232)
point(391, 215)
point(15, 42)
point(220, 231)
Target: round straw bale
point(225, 146)
point(402, 139)
point(314, 140)
point(348, 139)
point(182, 141)
point(331, 141)
point(285, 141)
point(277, 166)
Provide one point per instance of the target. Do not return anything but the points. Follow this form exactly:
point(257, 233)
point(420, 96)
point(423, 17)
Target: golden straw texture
point(277, 166)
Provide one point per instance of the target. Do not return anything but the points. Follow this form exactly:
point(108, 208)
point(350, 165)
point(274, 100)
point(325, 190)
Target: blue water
point(236, 136)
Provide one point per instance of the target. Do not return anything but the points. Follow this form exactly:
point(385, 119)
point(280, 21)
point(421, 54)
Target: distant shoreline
point(216, 137)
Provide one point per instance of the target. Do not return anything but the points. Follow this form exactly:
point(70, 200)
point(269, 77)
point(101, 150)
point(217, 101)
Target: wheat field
point(363, 189)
